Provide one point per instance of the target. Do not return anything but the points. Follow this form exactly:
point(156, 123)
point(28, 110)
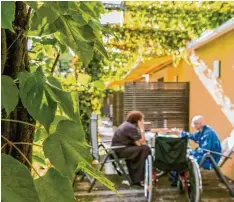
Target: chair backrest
point(170, 153)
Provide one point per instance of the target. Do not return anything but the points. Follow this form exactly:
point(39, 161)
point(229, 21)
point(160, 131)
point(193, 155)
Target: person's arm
point(207, 144)
point(160, 130)
point(135, 136)
point(142, 140)
point(191, 136)
point(138, 143)
point(141, 125)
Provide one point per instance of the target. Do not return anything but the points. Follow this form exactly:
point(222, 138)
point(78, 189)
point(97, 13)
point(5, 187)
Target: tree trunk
point(14, 51)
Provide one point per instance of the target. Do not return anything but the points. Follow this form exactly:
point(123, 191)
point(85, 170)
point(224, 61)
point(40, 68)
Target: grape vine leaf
point(9, 95)
point(83, 79)
point(99, 84)
point(7, 14)
point(17, 182)
point(35, 97)
point(48, 189)
point(66, 149)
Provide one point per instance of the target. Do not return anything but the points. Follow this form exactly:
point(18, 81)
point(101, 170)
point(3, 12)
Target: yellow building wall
point(201, 102)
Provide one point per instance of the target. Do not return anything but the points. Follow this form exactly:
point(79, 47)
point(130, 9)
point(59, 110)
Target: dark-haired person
point(131, 134)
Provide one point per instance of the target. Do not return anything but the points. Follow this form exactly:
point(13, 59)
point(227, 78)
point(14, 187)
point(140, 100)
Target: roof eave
point(221, 30)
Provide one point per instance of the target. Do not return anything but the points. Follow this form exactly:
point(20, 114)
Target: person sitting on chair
point(131, 134)
point(206, 138)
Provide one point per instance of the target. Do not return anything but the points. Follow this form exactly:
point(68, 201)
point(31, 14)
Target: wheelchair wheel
point(148, 178)
point(194, 185)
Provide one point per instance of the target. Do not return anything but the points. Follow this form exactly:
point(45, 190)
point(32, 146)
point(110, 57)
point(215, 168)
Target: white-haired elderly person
point(206, 138)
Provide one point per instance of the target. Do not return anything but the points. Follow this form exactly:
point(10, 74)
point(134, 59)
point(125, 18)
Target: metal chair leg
point(203, 159)
point(94, 180)
point(222, 177)
point(122, 169)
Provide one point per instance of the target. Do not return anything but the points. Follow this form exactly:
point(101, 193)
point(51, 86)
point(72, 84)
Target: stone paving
point(213, 190)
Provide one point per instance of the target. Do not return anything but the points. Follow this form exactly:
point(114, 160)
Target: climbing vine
point(159, 28)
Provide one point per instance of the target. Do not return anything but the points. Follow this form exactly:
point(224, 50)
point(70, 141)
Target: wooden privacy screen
point(163, 104)
point(118, 113)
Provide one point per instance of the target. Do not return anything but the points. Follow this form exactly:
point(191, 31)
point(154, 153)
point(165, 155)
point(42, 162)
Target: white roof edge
point(224, 28)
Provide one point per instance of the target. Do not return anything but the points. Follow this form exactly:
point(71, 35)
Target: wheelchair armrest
point(217, 153)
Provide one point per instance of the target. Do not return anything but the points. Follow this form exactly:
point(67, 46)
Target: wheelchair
point(170, 154)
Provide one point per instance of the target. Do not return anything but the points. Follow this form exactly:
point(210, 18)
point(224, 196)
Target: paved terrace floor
point(213, 190)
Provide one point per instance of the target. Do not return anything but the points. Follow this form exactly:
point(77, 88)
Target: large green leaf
point(9, 95)
point(66, 149)
point(62, 97)
point(7, 14)
point(59, 148)
point(100, 48)
point(17, 182)
point(54, 187)
point(35, 97)
point(47, 13)
point(70, 35)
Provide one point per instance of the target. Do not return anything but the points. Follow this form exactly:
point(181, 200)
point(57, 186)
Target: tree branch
point(26, 159)
point(28, 143)
point(17, 121)
point(55, 63)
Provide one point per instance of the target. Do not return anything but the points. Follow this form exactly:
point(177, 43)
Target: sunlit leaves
point(47, 190)
point(35, 97)
point(46, 14)
point(84, 79)
point(9, 94)
point(65, 146)
point(67, 149)
point(40, 135)
point(63, 98)
point(98, 84)
point(17, 183)
point(74, 24)
point(153, 29)
point(7, 14)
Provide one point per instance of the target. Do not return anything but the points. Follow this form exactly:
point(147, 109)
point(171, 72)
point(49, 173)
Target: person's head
point(198, 122)
point(134, 116)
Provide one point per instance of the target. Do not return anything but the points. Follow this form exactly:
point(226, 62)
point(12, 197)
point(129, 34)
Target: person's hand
point(176, 131)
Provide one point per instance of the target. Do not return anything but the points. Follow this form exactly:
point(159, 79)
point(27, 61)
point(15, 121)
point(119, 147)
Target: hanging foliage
point(159, 28)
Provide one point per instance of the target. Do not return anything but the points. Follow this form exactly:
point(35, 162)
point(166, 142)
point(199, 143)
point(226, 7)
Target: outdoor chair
point(217, 167)
point(111, 157)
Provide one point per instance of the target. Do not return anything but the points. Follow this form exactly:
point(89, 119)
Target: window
point(161, 80)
